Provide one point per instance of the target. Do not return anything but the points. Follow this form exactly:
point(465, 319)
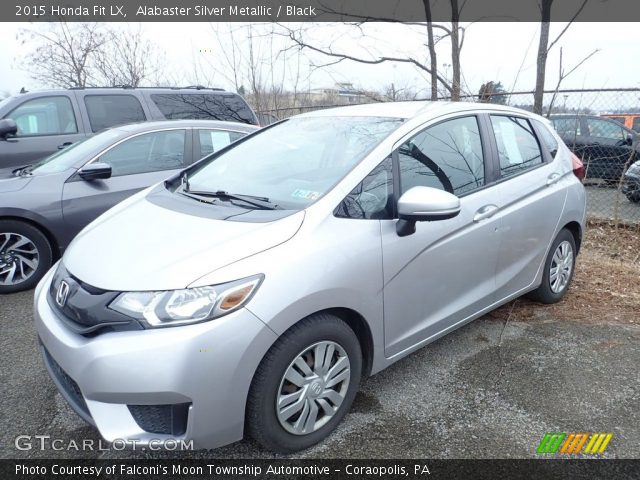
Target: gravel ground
point(489, 390)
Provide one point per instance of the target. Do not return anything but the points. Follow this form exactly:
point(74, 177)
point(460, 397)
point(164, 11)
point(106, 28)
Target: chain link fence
point(602, 127)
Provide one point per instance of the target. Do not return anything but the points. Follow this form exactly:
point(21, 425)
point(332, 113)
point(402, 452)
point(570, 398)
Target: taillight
point(578, 167)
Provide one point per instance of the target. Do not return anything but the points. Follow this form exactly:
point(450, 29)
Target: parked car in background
point(43, 206)
point(631, 183)
point(629, 120)
point(605, 147)
point(46, 121)
point(266, 118)
point(252, 293)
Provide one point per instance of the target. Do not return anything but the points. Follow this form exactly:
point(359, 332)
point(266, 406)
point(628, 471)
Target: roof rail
point(202, 87)
point(190, 87)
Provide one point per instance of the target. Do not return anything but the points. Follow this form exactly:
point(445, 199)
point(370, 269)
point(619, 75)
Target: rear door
point(531, 193)
point(137, 162)
point(46, 123)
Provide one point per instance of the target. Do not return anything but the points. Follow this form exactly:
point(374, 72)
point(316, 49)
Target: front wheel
point(25, 256)
point(305, 384)
point(558, 269)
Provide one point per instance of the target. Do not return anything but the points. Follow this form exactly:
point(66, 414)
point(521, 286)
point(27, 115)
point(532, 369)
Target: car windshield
point(69, 156)
point(295, 162)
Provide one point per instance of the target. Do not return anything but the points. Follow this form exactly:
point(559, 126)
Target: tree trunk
point(432, 50)
point(543, 50)
point(455, 51)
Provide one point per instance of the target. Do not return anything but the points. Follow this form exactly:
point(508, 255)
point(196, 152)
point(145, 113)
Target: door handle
point(485, 212)
point(553, 178)
point(65, 144)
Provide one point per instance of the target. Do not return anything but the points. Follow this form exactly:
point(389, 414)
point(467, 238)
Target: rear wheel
point(634, 197)
point(25, 256)
point(305, 384)
point(558, 269)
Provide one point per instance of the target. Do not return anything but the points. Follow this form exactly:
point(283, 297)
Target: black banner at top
point(313, 10)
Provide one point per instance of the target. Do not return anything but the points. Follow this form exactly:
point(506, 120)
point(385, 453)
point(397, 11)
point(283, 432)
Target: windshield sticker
point(307, 194)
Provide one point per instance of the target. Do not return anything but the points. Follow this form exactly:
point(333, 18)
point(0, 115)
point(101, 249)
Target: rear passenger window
point(106, 111)
point(447, 156)
point(45, 116)
point(202, 106)
point(518, 147)
point(547, 139)
point(636, 124)
point(213, 140)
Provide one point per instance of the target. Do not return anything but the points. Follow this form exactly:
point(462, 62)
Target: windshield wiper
point(259, 202)
point(22, 171)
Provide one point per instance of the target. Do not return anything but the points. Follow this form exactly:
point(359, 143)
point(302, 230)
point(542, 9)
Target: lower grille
point(164, 419)
point(68, 388)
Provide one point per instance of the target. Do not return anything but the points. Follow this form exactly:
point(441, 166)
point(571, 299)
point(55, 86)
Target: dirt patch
point(606, 285)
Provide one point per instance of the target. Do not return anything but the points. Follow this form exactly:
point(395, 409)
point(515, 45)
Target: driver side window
point(150, 152)
point(447, 156)
point(605, 129)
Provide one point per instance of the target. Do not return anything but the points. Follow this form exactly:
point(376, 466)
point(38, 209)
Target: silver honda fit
point(252, 292)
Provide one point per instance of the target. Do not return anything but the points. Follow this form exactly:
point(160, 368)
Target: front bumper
point(202, 370)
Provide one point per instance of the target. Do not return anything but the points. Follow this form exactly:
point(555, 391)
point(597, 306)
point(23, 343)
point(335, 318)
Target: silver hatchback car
point(252, 292)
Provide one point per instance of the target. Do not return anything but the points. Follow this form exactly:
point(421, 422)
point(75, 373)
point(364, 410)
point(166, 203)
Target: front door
point(445, 271)
point(136, 163)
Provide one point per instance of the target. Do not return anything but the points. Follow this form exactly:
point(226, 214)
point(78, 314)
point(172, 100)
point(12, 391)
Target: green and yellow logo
point(573, 443)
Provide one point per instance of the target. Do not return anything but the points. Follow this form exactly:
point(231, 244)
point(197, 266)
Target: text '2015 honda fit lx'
point(251, 293)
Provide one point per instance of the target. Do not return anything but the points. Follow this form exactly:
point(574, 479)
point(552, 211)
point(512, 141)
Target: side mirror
point(95, 171)
point(7, 127)
point(424, 204)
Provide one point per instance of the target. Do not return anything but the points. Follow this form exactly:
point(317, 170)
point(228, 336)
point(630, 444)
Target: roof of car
point(156, 124)
point(406, 109)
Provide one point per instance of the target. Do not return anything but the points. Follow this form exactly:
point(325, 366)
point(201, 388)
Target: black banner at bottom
point(176, 469)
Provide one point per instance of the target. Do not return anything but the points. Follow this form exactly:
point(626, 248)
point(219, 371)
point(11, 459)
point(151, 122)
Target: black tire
point(262, 422)
point(633, 197)
point(544, 293)
point(44, 253)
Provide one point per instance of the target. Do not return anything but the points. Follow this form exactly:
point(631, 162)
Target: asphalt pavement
point(492, 389)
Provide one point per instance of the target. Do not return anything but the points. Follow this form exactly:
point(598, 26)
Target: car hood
point(10, 183)
point(145, 246)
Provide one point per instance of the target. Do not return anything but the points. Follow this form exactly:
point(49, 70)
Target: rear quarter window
point(203, 106)
point(546, 138)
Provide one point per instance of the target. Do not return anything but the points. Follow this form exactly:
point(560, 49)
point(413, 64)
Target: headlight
point(190, 305)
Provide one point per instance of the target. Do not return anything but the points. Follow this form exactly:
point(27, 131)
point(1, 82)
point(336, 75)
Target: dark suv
point(35, 124)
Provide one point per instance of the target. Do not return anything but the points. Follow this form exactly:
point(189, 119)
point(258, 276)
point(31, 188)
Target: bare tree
point(127, 58)
point(253, 59)
point(562, 74)
point(454, 31)
point(64, 53)
point(544, 47)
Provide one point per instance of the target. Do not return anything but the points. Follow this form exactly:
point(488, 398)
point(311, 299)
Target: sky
point(504, 52)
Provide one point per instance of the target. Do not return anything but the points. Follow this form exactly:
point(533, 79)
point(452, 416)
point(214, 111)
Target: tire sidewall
point(287, 350)
point(44, 253)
